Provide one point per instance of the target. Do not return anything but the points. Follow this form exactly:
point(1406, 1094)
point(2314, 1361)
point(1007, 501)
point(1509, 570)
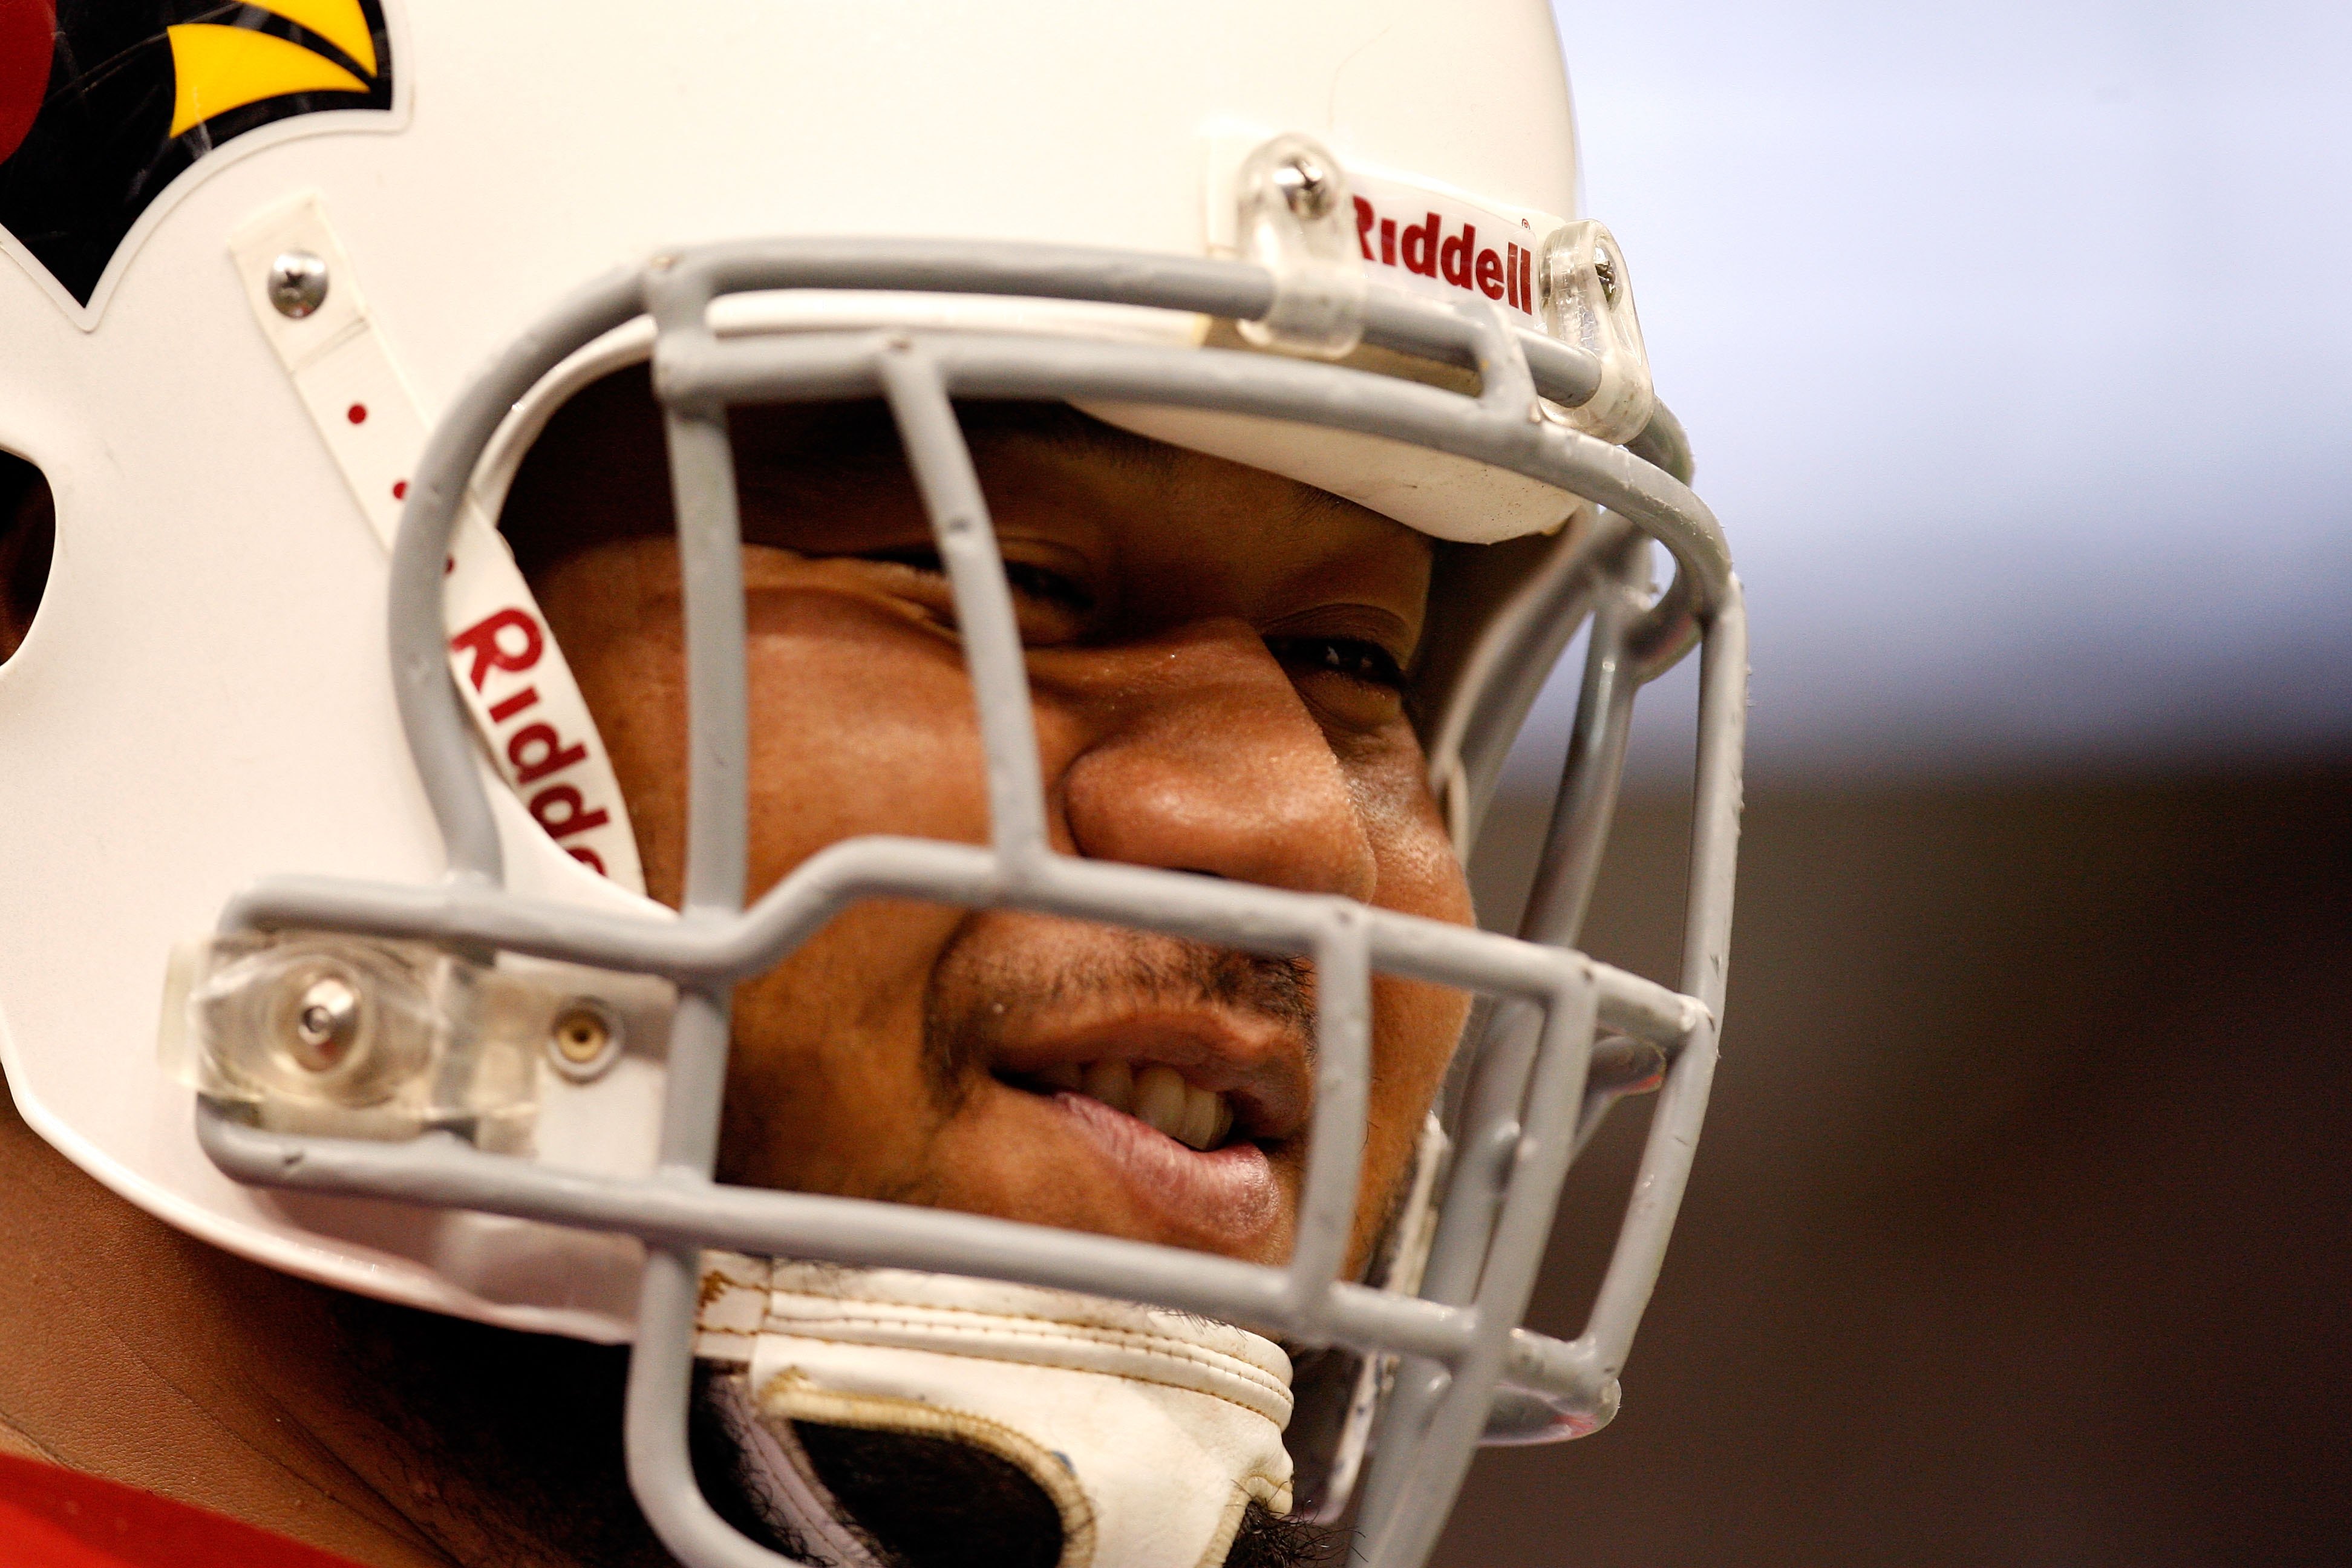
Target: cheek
point(1416, 1026)
point(634, 678)
point(1419, 872)
point(860, 724)
point(842, 695)
point(826, 1086)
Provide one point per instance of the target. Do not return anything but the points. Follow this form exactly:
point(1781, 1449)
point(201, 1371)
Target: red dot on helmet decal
point(28, 34)
point(357, 414)
point(400, 489)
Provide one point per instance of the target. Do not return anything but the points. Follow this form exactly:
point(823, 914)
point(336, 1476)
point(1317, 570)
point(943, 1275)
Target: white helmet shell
point(203, 699)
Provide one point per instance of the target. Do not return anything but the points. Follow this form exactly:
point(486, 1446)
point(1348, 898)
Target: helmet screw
point(297, 284)
point(326, 1020)
point(582, 1041)
point(1604, 266)
point(1306, 184)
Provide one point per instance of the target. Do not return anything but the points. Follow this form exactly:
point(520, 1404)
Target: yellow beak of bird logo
point(216, 69)
point(104, 106)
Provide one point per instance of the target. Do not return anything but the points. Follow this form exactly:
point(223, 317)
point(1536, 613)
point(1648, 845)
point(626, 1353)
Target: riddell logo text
point(1422, 245)
point(512, 641)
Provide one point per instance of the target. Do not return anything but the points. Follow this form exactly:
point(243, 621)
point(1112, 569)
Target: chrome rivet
point(1307, 186)
point(1604, 266)
point(326, 1021)
point(298, 283)
point(584, 1041)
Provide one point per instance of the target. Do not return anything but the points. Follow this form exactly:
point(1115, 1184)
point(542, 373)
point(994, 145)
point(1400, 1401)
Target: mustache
point(972, 998)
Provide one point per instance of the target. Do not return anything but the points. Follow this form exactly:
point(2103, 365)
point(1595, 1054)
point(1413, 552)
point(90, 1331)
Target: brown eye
point(1040, 584)
point(1351, 657)
point(1049, 586)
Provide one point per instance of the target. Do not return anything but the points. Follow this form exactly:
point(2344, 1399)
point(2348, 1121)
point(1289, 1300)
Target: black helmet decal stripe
point(136, 94)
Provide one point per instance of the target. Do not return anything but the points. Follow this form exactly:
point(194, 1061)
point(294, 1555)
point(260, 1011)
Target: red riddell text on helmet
point(513, 641)
point(1422, 244)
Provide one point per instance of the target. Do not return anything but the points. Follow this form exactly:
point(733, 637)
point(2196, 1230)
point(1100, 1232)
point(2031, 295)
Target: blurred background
point(2015, 343)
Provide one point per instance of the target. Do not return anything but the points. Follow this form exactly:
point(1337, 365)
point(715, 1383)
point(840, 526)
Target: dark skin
point(1214, 657)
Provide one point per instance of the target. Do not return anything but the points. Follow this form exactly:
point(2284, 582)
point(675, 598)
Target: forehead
point(832, 478)
point(1045, 466)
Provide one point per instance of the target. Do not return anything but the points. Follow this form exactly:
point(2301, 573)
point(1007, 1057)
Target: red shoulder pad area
point(53, 1518)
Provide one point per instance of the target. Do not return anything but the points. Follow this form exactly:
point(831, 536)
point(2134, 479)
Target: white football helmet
point(278, 354)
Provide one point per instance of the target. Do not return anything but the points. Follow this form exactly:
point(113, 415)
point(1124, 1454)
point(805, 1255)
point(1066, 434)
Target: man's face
point(1214, 656)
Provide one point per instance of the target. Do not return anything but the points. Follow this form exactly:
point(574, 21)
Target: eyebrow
point(829, 448)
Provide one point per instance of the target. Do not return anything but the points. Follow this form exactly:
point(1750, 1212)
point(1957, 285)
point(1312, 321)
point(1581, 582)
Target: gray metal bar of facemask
point(1234, 290)
point(432, 713)
point(1251, 920)
point(942, 462)
point(655, 1421)
point(1500, 432)
point(1581, 812)
point(1663, 443)
point(708, 949)
point(440, 1170)
point(1597, 1356)
point(710, 572)
point(1673, 1127)
point(1555, 910)
point(985, 619)
point(653, 1424)
point(1423, 1496)
point(1672, 1140)
point(1334, 1147)
point(1514, 661)
point(1505, 1047)
point(1477, 1187)
point(1578, 831)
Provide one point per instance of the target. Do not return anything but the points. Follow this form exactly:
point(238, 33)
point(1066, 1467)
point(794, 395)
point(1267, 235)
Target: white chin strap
point(1150, 1431)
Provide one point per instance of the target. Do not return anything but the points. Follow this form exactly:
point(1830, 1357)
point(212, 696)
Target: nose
point(1196, 753)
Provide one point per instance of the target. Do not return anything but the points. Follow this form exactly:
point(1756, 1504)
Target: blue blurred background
point(2015, 342)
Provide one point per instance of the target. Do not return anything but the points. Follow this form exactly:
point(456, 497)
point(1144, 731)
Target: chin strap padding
point(1151, 1432)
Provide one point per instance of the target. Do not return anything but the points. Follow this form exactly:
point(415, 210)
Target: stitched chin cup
point(1145, 1432)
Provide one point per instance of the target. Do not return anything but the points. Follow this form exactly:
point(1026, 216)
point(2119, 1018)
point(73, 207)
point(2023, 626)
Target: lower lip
point(1228, 1195)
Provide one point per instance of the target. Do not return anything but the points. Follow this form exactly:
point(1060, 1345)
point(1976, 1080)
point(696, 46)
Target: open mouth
point(1191, 1117)
point(1154, 1093)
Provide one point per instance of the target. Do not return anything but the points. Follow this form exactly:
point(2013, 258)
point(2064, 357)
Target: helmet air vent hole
point(28, 534)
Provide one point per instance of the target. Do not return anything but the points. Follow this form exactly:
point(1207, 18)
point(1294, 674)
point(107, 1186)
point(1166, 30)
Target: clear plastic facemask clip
point(1588, 304)
point(1296, 221)
point(365, 1037)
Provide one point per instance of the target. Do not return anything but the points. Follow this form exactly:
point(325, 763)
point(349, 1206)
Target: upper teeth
point(1158, 1096)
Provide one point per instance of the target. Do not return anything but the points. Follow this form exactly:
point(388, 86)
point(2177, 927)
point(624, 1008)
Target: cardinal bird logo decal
point(105, 103)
